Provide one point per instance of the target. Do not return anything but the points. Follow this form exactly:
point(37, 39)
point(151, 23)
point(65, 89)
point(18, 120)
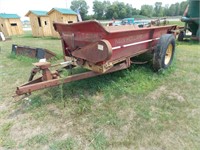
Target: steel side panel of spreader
point(126, 41)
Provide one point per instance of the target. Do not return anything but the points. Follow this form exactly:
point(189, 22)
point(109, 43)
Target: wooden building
point(61, 15)
point(10, 24)
point(40, 23)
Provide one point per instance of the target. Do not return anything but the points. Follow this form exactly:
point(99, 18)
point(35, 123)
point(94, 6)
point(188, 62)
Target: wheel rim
point(168, 54)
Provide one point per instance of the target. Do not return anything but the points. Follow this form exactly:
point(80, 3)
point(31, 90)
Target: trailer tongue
point(103, 50)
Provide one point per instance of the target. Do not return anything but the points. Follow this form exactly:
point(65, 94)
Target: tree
point(158, 9)
point(166, 10)
point(117, 10)
point(111, 13)
point(82, 6)
point(172, 10)
point(146, 10)
point(177, 9)
point(100, 8)
point(122, 13)
point(129, 10)
point(183, 6)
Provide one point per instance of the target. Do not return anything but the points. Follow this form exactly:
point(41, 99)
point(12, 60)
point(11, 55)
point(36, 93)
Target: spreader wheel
point(164, 52)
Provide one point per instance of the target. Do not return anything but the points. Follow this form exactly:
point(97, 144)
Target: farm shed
point(40, 23)
point(61, 15)
point(10, 24)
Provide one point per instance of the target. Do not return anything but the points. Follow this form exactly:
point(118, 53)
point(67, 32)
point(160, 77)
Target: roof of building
point(63, 11)
point(9, 16)
point(37, 12)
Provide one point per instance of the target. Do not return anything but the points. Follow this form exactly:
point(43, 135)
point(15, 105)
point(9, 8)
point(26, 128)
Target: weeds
point(5, 139)
point(68, 144)
point(84, 105)
point(40, 139)
point(99, 141)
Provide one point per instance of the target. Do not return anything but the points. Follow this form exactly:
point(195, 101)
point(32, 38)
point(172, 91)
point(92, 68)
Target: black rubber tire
point(161, 50)
point(181, 36)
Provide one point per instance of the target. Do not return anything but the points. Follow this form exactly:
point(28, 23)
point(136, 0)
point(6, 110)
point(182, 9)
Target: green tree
point(130, 11)
point(113, 11)
point(100, 8)
point(172, 10)
point(82, 6)
point(158, 10)
point(177, 9)
point(183, 6)
point(121, 7)
point(146, 10)
point(166, 10)
point(110, 12)
point(120, 10)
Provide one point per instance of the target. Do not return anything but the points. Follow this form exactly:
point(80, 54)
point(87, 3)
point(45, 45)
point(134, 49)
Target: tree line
point(119, 10)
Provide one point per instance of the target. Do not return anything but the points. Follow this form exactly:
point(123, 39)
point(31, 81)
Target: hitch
point(50, 79)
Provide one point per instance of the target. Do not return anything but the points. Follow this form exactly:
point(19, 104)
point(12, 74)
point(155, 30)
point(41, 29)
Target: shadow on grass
point(138, 79)
point(77, 90)
point(29, 35)
point(22, 58)
point(188, 42)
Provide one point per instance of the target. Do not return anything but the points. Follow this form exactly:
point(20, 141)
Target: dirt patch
point(3, 107)
point(18, 111)
point(54, 110)
point(157, 93)
point(176, 96)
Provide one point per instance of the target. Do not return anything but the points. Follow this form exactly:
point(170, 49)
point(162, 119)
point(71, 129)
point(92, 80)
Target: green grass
point(38, 140)
point(131, 109)
point(67, 144)
point(99, 141)
point(5, 139)
point(178, 23)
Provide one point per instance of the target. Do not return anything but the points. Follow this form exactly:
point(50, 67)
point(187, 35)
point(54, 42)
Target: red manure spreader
point(103, 50)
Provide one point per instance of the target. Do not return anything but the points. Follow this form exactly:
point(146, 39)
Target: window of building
point(45, 22)
point(70, 21)
point(13, 24)
point(39, 22)
point(2, 25)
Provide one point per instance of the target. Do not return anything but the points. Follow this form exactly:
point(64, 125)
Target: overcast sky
point(21, 7)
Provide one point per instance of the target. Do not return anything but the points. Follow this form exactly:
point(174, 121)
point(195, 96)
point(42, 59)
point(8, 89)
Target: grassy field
point(130, 109)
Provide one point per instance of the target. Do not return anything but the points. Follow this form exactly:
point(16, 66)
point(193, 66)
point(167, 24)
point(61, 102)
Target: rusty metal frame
point(49, 79)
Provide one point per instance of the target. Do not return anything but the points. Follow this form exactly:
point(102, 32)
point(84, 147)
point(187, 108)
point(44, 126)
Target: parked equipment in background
point(160, 22)
point(192, 21)
point(102, 50)
point(32, 52)
point(130, 21)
